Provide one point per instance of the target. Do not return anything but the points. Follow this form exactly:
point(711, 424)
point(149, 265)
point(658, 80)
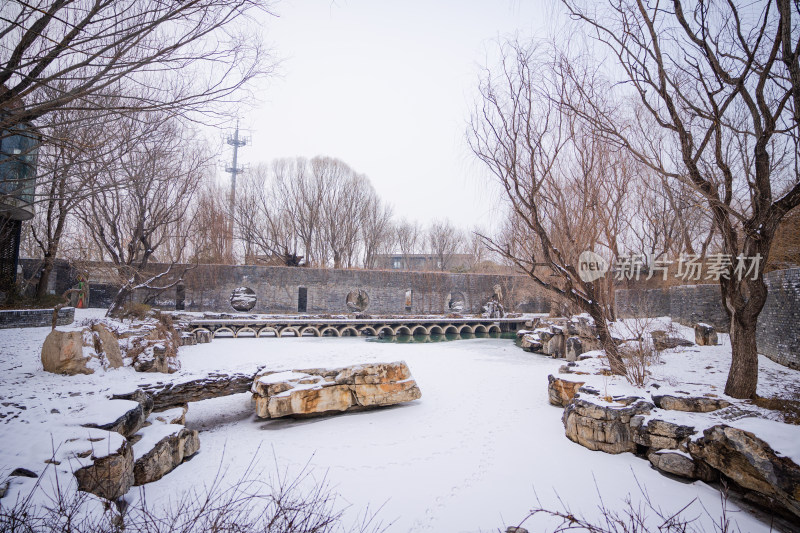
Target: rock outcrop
point(314, 392)
point(603, 427)
point(109, 473)
point(561, 337)
point(561, 391)
point(753, 465)
point(766, 477)
point(705, 335)
point(150, 347)
point(133, 418)
point(161, 448)
point(690, 404)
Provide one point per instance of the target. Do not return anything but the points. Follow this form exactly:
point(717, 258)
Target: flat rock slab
point(690, 404)
point(320, 391)
point(168, 395)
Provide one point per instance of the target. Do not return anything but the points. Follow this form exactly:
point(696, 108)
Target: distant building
point(423, 262)
point(19, 145)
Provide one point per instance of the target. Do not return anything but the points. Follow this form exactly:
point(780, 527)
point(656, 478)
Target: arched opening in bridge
point(245, 332)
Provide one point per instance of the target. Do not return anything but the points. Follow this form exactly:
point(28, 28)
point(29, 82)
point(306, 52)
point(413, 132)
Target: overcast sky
point(387, 87)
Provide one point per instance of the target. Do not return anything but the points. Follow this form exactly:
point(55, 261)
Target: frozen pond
point(471, 455)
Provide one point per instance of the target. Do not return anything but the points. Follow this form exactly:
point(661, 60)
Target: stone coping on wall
point(35, 318)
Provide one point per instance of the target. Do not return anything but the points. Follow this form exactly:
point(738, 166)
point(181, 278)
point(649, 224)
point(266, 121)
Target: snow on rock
point(109, 472)
point(325, 391)
point(176, 415)
point(160, 448)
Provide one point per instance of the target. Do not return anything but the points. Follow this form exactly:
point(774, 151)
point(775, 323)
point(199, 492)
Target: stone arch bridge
point(343, 327)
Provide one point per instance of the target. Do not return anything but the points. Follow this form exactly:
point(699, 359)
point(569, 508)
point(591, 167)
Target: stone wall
point(687, 304)
point(277, 289)
point(778, 323)
point(35, 318)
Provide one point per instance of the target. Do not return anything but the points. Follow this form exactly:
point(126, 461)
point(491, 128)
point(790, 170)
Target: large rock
point(312, 392)
point(108, 344)
point(62, 353)
point(109, 472)
point(560, 391)
point(682, 465)
point(659, 434)
point(602, 427)
point(691, 404)
point(574, 348)
point(161, 448)
point(530, 342)
point(81, 351)
point(553, 343)
point(662, 342)
point(753, 465)
point(705, 335)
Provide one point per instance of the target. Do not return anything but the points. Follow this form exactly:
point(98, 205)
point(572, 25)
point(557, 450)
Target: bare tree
point(722, 84)
point(409, 240)
point(142, 200)
point(183, 56)
point(300, 198)
point(344, 199)
point(377, 230)
point(445, 241)
point(210, 237)
point(549, 164)
point(264, 216)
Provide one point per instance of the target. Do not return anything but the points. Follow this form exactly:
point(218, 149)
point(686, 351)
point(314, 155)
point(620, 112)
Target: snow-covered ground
point(472, 455)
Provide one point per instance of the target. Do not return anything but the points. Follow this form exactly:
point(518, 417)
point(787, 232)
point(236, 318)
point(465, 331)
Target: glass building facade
point(18, 151)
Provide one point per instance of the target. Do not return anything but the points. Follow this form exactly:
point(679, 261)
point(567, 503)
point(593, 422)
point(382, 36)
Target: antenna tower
point(233, 170)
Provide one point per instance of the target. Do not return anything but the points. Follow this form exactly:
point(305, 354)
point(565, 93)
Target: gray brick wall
point(779, 321)
point(209, 288)
point(778, 324)
point(35, 318)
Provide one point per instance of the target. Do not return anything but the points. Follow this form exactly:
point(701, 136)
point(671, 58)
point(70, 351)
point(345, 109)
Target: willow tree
point(550, 163)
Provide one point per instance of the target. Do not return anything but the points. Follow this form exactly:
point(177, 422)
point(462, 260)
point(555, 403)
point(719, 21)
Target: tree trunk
point(116, 306)
point(44, 276)
point(744, 301)
point(601, 326)
point(743, 375)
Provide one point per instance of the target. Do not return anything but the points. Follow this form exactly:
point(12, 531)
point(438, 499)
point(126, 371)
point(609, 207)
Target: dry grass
point(645, 516)
point(257, 503)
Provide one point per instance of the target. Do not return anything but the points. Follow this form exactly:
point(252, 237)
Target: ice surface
point(472, 454)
